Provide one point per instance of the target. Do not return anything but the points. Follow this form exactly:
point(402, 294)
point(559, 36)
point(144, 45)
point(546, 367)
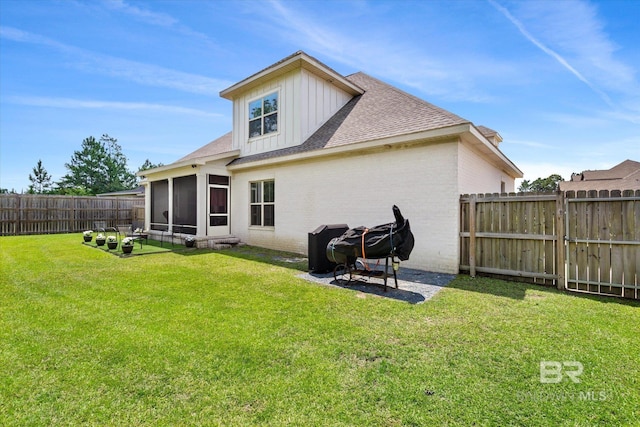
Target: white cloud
point(155, 18)
point(452, 76)
point(575, 28)
point(533, 171)
point(70, 103)
point(531, 144)
point(573, 33)
point(142, 73)
point(150, 75)
point(145, 15)
point(555, 55)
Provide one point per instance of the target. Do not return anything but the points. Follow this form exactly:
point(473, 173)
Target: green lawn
point(230, 338)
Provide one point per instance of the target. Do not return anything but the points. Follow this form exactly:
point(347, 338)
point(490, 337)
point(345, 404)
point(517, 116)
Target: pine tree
point(99, 167)
point(40, 180)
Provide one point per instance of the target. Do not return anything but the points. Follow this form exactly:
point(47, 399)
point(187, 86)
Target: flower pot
point(190, 243)
point(127, 249)
point(112, 245)
point(100, 242)
point(87, 238)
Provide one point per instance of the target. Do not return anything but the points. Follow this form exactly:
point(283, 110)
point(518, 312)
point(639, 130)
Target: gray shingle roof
point(217, 146)
point(383, 111)
point(487, 132)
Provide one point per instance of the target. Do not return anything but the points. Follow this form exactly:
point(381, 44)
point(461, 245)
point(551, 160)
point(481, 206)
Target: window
point(263, 203)
point(263, 115)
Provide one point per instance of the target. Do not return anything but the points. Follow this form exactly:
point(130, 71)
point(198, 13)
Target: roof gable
point(378, 114)
point(382, 111)
point(298, 60)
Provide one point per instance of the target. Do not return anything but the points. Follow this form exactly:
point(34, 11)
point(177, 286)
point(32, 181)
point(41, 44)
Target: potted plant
point(100, 239)
point(112, 242)
point(127, 245)
point(189, 241)
point(87, 235)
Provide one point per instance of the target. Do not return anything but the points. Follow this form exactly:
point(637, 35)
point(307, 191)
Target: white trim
point(464, 132)
point(297, 60)
point(200, 161)
point(262, 204)
point(414, 138)
point(277, 91)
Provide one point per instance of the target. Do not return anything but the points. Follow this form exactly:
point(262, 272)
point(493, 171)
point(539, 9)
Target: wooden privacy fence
point(584, 242)
point(44, 214)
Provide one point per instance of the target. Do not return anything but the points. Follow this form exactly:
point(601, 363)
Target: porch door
point(218, 206)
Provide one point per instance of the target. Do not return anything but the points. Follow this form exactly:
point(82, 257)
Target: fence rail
point(603, 242)
point(584, 242)
point(22, 214)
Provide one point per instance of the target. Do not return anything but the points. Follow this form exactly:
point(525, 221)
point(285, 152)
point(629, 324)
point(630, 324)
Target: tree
point(40, 180)
point(148, 165)
point(99, 167)
point(550, 183)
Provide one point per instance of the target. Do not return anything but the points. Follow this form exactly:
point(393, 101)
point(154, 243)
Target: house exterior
point(310, 147)
point(624, 176)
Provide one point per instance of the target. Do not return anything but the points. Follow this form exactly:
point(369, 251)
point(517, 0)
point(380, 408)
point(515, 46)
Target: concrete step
point(226, 242)
point(229, 240)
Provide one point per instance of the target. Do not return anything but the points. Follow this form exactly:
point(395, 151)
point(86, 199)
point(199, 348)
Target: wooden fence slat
point(628, 251)
point(586, 242)
point(559, 225)
point(47, 214)
point(615, 227)
point(593, 249)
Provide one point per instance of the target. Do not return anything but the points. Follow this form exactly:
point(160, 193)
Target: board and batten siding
point(306, 102)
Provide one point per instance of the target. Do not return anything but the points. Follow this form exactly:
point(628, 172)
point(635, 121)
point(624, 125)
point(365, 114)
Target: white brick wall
point(476, 175)
point(361, 190)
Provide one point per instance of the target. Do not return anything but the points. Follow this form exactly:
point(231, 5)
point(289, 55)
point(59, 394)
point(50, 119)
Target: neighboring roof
point(217, 146)
point(624, 176)
point(298, 60)
point(136, 192)
point(383, 111)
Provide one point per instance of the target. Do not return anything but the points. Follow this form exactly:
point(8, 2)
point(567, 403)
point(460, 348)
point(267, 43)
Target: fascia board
point(479, 141)
point(199, 161)
point(413, 138)
point(300, 60)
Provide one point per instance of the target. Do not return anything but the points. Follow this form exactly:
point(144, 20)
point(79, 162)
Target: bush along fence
point(587, 241)
point(22, 214)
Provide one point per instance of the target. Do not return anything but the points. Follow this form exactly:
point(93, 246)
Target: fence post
point(472, 235)
point(18, 215)
point(560, 249)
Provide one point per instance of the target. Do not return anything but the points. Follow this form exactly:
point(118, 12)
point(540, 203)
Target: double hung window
point(263, 115)
point(263, 203)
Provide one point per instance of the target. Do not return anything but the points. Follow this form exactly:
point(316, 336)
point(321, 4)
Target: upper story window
point(263, 115)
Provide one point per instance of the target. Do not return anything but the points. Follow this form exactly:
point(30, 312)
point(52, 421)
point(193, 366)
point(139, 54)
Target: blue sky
point(557, 79)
